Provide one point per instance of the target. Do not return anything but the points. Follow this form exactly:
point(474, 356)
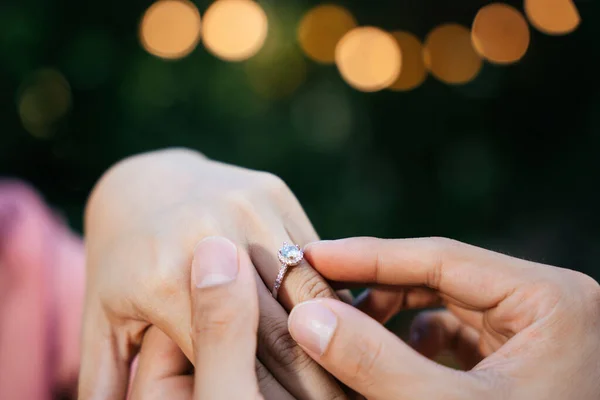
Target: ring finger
point(300, 282)
point(289, 364)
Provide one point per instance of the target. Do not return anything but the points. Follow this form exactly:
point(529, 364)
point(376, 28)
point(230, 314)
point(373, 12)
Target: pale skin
point(224, 338)
point(143, 221)
point(522, 330)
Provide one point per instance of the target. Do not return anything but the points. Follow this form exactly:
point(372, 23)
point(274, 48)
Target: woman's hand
point(224, 336)
point(143, 221)
point(526, 330)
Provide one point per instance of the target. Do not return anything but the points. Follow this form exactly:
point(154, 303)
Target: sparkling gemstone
point(290, 254)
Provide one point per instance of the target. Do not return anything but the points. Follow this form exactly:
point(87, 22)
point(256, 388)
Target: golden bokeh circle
point(500, 33)
point(234, 30)
point(449, 54)
point(368, 58)
point(554, 17)
point(170, 28)
point(321, 29)
point(413, 72)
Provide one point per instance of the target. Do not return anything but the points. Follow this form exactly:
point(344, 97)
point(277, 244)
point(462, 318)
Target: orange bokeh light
point(500, 33)
point(554, 17)
point(170, 28)
point(234, 30)
point(449, 54)
point(413, 71)
point(321, 29)
point(368, 58)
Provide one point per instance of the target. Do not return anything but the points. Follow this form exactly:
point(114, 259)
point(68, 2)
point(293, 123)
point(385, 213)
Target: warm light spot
point(43, 100)
point(554, 17)
point(321, 29)
point(368, 58)
point(500, 33)
point(170, 28)
point(413, 71)
point(234, 30)
point(450, 56)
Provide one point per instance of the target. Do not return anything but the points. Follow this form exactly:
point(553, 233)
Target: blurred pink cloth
point(42, 278)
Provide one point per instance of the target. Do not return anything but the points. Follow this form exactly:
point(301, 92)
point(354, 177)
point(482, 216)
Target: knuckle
point(588, 284)
point(273, 184)
point(215, 319)
point(263, 376)
point(312, 286)
point(281, 347)
point(238, 199)
point(440, 247)
point(589, 289)
point(442, 243)
point(239, 204)
point(365, 362)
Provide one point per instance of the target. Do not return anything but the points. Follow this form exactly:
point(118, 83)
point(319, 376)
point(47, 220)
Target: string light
point(554, 17)
point(321, 29)
point(170, 29)
point(234, 30)
point(450, 56)
point(500, 33)
point(413, 71)
point(368, 58)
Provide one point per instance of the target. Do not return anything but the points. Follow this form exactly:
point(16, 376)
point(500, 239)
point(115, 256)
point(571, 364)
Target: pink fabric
point(42, 281)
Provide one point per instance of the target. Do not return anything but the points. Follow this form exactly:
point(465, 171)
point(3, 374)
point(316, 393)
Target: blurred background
point(474, 120)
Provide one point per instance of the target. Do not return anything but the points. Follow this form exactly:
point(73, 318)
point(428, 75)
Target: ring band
point(289, 255)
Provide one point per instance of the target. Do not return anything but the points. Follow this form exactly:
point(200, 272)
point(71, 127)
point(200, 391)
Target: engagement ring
point(289, 255)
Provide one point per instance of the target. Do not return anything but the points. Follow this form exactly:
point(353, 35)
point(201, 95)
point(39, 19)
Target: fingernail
point(215, 262)
point(312, 325)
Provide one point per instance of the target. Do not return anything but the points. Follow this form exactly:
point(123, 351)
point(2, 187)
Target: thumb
point(224, 321)
point(371, 360)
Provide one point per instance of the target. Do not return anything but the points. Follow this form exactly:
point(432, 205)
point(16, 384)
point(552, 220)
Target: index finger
point(471, 275)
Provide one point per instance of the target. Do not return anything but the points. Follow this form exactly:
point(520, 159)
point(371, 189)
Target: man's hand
point(523, 330)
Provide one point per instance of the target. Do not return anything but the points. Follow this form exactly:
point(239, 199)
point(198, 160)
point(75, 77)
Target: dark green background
point(509, 161)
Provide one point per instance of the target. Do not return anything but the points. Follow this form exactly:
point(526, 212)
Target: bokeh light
point(450, 56)
point(170, 28)
point(500, 33)
point(234, 30)
point(368, 58)
point(321, 29)
point(43, 100)
point(413, 71)
point(554, 17)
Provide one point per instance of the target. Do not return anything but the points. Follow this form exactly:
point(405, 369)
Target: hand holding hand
point(142, 222)
point(526, 330)
point(224, 327)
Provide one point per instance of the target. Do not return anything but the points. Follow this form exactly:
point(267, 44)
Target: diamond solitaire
point(289, 255)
